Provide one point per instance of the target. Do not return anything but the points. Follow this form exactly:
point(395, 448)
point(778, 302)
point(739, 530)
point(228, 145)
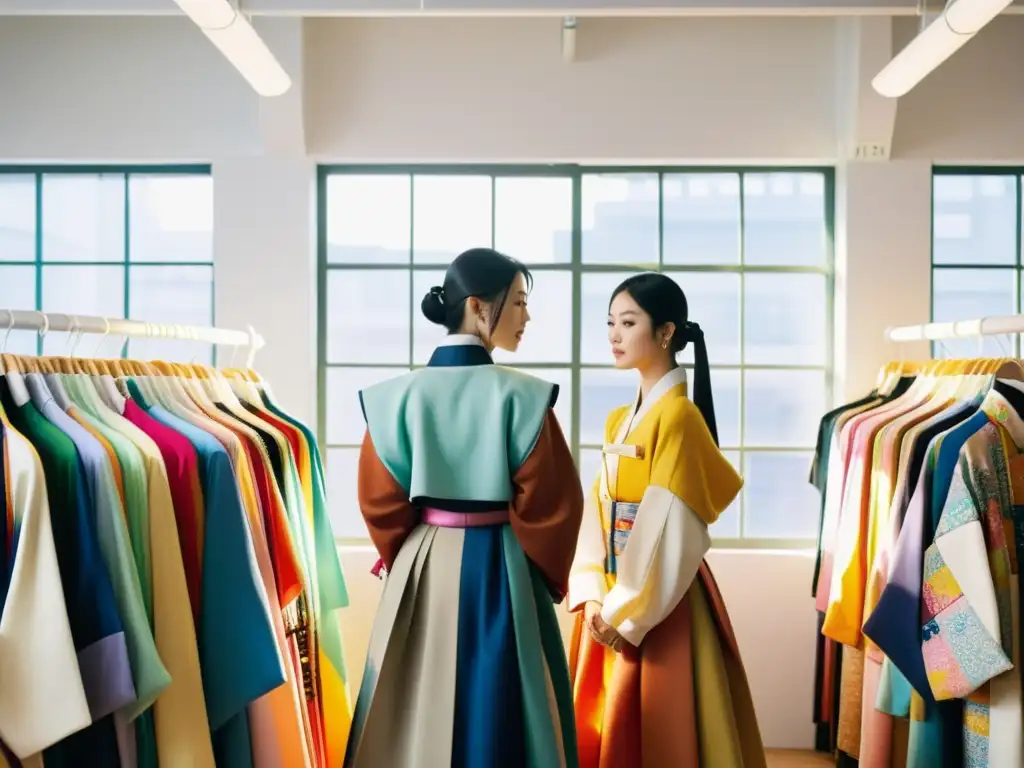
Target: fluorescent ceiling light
point(961, 21)
point(234, 36)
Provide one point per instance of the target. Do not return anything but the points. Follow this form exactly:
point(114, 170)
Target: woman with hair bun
point(657, 675)
point(472, 500)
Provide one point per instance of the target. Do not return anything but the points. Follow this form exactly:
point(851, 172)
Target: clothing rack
point(959, 329)
point(44, 322)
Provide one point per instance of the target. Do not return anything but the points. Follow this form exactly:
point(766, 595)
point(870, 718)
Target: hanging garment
point(195, 525)
point(470, 496)
point(95, 622)
point(926, 529)
point(678, 695)
point(971, 594)
point(112, 534)
point(42, 700)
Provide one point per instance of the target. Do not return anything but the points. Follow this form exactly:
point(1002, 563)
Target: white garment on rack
point(42, 699)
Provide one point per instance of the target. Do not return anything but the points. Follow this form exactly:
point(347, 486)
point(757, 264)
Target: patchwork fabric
point(940, 588)
point(960, 655)
point(976, 730)
point(621, 525)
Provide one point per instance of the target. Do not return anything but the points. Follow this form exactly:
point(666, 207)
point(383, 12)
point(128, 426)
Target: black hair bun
point(433, 306)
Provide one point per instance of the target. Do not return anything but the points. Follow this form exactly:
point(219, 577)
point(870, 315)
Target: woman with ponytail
point(657, 675)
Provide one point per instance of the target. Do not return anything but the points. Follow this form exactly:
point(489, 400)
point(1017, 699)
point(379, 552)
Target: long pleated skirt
point(681, 699)
point(466, 665)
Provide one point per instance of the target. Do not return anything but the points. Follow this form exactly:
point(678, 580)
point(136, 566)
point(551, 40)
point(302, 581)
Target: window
point(976, 254)
point(113, 242)
point(752, 250)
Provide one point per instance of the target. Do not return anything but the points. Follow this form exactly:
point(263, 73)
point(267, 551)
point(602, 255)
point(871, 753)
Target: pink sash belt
point(443, 518)
point(446, 519)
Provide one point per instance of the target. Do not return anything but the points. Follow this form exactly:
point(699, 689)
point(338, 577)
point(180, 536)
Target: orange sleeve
point(547, 506)
point(389, 515)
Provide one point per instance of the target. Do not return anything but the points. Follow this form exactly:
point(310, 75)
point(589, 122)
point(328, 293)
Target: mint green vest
point(457, 432)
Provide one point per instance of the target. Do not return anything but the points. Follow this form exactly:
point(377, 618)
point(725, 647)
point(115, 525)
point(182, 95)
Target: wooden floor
point(795, 758)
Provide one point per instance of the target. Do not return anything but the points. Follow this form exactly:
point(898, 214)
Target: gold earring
point(664, 343)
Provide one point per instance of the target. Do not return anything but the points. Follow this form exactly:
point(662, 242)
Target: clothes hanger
point(3, 372)
point(888, 376)
point(104, 381)
point(12, 371)
point(225, 394)
point(222, 391)
point(7, 336)
point(958, 379)
point(93, 363)
point(171, 378)
point(35, 381)
point(187, 375)
point(237, 379)
point(55, 379)
point(1007, 369)
point(979, 380)
point(921, 388)
point(150, 380)
point(958, 376)
point(191, 379)
point(83, 381)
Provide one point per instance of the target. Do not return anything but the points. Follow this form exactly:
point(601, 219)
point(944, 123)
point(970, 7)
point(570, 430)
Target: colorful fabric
point(478, 400)
point(968, 618)
point(961, 650)
point(42, 698)
point(677, 695)
point(182, 474)
point(136, 510)
point(621, 524)
point(95, 622)
point(335, 695)
point(466, 665)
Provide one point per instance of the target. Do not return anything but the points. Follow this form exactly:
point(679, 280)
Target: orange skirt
point(681, 699)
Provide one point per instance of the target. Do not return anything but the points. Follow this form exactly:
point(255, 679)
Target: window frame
point(127, 171)
point(576, 267)
point(1017, 171)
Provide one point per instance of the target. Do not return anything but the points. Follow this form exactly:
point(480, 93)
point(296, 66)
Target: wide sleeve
point(962, 635)
point(389, 515)
point(42, 699)
point(547, 506)
point(691, 485)
point(586, 577)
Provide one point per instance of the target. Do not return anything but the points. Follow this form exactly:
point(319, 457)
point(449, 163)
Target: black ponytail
point(664, 301)
point(702, 396)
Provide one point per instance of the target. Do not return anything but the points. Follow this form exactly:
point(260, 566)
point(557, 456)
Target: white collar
point(672, 379)
point(460, 340)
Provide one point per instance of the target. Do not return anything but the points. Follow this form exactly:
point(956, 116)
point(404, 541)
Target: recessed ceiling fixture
point(234, 37)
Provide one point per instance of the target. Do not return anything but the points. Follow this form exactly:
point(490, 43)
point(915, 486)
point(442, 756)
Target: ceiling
point(488, 7)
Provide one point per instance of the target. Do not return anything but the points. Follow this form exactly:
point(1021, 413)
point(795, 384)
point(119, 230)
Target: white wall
point(436, 89)
point(688, 91)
